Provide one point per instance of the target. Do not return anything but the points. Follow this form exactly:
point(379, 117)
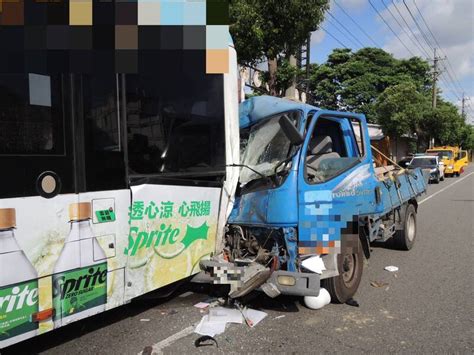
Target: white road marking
point(445, 188)
point(158, 347)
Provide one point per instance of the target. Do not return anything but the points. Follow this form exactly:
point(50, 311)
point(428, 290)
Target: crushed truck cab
point(309, 203)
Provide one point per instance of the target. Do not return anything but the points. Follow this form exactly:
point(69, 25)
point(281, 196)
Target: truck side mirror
point(290, 131)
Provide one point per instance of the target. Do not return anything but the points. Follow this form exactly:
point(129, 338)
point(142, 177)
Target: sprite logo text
point(79, 289)
point(166, 235)
point(17, 304)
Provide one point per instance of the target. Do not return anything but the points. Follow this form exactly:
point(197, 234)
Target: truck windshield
point(266, 147)
point(421, 162)
point(442, 154)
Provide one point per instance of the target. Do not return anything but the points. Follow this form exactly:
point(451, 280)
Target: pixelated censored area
point(85, 36)
point(328, 226)
point(223, 275)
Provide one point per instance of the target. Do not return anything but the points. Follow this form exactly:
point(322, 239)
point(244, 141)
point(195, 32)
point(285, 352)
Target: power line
point(391, 29)
point(340, 31)
point(409, 28)
point(355, 23)
point(418, 26)
point(437, 43)
point(399, 24)
point(334, 37)
point(344, 27)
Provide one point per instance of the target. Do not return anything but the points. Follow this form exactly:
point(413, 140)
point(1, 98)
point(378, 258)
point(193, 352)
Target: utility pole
point(435, 78)
point(463, 110)
point(434, 94)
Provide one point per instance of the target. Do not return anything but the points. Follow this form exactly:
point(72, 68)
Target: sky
point(451, 22)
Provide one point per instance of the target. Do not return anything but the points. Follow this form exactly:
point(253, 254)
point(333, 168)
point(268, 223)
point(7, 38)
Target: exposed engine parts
point(265, 246)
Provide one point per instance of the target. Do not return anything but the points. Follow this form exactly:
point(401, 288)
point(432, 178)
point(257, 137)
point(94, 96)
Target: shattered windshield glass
point(267, 146)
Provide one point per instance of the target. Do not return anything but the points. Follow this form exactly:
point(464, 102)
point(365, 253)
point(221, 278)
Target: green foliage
point(400, 109)
point(270, 29)
point(354, 81)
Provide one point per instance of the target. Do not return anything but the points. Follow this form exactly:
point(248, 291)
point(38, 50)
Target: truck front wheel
point(350, 265)
point(405, 237)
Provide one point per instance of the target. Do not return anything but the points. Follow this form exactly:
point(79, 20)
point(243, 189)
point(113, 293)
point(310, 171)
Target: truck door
point(336, 182)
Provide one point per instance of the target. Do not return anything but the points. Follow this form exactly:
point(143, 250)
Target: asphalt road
point(426, 307)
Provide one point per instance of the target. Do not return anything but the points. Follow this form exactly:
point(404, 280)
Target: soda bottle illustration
point(18, 285)
point(80, 274)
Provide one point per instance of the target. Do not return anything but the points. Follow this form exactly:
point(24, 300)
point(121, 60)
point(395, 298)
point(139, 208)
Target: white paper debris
point(226, 315)
point(201, 305)
point(391, 268)
point(314, 264)
point(279, 317)
point(144, 320)
point(206, 327)
point(254, 316)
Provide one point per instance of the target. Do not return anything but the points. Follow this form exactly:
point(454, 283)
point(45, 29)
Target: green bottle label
point(78, 290)
point(17, 304)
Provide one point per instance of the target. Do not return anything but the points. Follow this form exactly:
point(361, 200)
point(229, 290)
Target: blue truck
point(309, 203)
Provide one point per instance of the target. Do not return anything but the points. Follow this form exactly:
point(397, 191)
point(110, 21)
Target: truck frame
point(309, 204)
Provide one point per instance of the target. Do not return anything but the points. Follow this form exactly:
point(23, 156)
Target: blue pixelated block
point(171, 12)
point(195, 13)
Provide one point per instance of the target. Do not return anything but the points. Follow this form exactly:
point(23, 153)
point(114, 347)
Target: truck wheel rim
point(348, 268)
point(411, 227)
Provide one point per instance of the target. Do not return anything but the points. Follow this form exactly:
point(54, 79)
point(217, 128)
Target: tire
point(343, 287)
point(437, 180)
point(404, 239)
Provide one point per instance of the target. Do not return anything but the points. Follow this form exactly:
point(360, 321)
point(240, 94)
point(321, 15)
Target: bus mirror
point(291, 132)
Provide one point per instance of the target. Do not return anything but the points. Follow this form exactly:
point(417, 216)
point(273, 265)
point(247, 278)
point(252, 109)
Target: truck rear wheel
point(343, 287)
point(404, 239)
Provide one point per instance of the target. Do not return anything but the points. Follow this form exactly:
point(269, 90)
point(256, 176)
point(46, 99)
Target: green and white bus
point(112, 186)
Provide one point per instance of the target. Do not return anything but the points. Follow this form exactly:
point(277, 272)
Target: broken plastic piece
point(352, 302)
point(314, 264)
point(391, 268)
point(378, 284)
point(201, 305)
point(205, 340)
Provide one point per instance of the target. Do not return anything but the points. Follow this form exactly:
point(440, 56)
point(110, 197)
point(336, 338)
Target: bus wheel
point(343, 287)
point(404, 239)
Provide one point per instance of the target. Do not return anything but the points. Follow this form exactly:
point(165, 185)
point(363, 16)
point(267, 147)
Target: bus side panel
point(42, 227)
point(171, 229)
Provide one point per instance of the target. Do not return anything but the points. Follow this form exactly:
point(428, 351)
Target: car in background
point(431, 163)
point(404, 162)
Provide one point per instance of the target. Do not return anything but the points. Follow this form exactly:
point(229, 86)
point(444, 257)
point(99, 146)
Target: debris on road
point(253, 317)
point(186, 294)
point(205, 341)
point(391, 268)
point(201, 305)
point(352, 302)
point(378, 284)
point(318, 302)
point(283, 316)
point(145, 320)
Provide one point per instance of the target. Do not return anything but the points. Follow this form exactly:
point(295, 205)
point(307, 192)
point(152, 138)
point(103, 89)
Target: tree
point(400, 109)
point(353, 81)
point(270, 29)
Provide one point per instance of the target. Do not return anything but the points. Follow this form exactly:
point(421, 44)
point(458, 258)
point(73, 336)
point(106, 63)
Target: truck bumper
point(278, 282)
point(294, 283)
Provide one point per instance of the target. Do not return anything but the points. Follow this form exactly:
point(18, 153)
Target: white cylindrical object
point(318, 302)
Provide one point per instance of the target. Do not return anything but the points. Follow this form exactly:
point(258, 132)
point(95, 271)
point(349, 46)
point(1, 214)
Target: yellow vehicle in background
point(449, 156)
point(462, 160)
